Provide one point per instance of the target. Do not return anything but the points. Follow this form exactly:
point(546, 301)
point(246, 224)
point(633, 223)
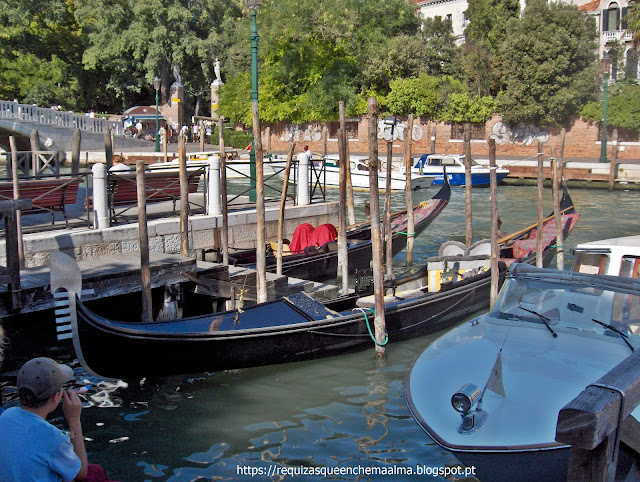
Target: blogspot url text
point(397, 470)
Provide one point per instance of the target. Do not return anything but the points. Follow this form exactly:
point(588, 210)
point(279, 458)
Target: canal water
point(343, 413)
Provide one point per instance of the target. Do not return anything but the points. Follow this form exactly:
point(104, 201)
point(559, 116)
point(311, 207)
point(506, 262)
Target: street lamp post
point(606, 64)
point(156, 86)
point(254, 37)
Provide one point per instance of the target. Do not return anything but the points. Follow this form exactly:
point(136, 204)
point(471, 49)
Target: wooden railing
point(597, 421)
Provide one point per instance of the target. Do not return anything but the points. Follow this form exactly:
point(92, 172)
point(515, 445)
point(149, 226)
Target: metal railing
point(58, 118)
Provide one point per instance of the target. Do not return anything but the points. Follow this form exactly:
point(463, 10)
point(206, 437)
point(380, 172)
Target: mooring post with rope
point(376, 242)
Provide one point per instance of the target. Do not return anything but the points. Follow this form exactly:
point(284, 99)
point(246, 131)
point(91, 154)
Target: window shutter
point(624, 18)
point(605, 20)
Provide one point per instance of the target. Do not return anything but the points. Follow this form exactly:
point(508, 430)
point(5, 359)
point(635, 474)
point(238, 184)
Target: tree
point(549, 64)
point(623, 107)
point(442, 55)
point(462, 108)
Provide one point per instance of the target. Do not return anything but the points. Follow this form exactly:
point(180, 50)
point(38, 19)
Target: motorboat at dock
point(490, 390)
point(433, 165)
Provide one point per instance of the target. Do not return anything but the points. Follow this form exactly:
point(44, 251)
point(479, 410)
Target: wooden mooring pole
point(539, 237)
point(16, 195)
point(261, 249)
point(283, 201)
point(557, 215)
point(376, 241)
point(184, 195)
point(145, 269)
point(467, 185)
point(388, 238)
point(223, 195)
point(408, 193)
point(613, 164)
point(495, 250)
point(76, 140)
point(343, 257)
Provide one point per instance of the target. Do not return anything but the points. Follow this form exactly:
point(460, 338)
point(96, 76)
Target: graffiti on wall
point(399, 131)
point(524, 134)
point(304, 133)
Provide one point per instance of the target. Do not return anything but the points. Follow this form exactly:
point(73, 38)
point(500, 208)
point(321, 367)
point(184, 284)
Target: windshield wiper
point(544, 319)
point(624, 336)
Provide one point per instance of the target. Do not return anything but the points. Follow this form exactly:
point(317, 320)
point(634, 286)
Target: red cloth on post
point(301, 238)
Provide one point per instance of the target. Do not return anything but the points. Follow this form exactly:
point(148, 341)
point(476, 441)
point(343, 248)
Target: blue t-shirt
point(33, 449)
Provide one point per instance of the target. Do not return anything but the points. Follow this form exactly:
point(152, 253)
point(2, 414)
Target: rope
point(366, 319)
point(406, 234)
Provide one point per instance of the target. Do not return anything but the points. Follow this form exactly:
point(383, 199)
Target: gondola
point(289, 329)
point(321, 263)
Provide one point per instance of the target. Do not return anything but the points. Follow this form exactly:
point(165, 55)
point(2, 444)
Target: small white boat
point(490, 390)
point(237, 167)
point(359, 166)
point(433, 164)
point(614, 257)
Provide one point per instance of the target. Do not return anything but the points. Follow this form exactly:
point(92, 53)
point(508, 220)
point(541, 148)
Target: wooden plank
point(590, 417)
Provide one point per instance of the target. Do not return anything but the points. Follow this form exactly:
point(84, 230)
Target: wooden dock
point(117, 275)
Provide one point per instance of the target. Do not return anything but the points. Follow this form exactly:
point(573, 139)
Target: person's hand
point(71, 406)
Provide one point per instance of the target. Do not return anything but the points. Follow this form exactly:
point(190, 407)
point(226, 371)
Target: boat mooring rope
point(373, 337)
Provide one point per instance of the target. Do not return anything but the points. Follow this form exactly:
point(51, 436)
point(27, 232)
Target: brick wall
point(581, 141)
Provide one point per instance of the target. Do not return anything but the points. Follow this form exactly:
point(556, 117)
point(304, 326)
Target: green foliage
point(548, 63)
point(441, 54)
point(462, 108)
point(417, 95)
point(232, 138)
point(623, 107)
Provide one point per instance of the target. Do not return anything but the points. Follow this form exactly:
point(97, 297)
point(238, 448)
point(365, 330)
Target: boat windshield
point(570, 305)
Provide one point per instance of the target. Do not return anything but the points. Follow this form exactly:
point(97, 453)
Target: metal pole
point(254, 37)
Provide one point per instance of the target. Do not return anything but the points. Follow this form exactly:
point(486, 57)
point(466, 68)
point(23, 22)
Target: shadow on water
point(348, 411)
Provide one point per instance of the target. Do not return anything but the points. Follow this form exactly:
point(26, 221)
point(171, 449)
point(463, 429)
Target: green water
point(343, 412)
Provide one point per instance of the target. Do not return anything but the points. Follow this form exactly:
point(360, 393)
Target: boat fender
point(373, 337)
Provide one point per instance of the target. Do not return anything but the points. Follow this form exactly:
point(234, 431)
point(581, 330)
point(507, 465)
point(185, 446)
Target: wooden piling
point(557, 215)
point(11, 275)
point(145, 269)
point(343, 257)
point(267, 134)
point(408, 192)
point(388, 240)
point(108, 147)
point(495, 250)
point(325, 135)
point(376, 244)
point(184, 195)
point(433, 139)
point(16, 195)
point(261, 248)
point(76, 139)
point(351, 208)
point(35, 147)
point(563, 135)
point(539, 237)
point(613, 164)
point(223, 194)
point(165, 141)
point(201, 135)
point(467, 185)
point(283, 201)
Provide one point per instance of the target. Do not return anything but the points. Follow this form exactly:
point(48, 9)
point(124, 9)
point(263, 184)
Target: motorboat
point(614, 256)
point(491, 389)
point(433, 164)
point(328, 173)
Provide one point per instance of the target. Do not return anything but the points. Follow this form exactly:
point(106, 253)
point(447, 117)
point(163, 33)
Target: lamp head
point(254, 4)
point(156, 83)
point(390, 120)
point(606, 62)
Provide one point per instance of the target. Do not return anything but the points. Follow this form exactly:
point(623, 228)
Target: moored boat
point(318, 263)
point(329, 175)
point(490, 390)
point(614, 257)
point(433, 164)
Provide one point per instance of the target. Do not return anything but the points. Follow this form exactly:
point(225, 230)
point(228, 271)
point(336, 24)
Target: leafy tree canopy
point(549, 64)
point(623, 107)
point(462, 108)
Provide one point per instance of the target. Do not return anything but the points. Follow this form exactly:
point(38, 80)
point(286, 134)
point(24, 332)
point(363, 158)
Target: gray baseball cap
point(44, 377)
